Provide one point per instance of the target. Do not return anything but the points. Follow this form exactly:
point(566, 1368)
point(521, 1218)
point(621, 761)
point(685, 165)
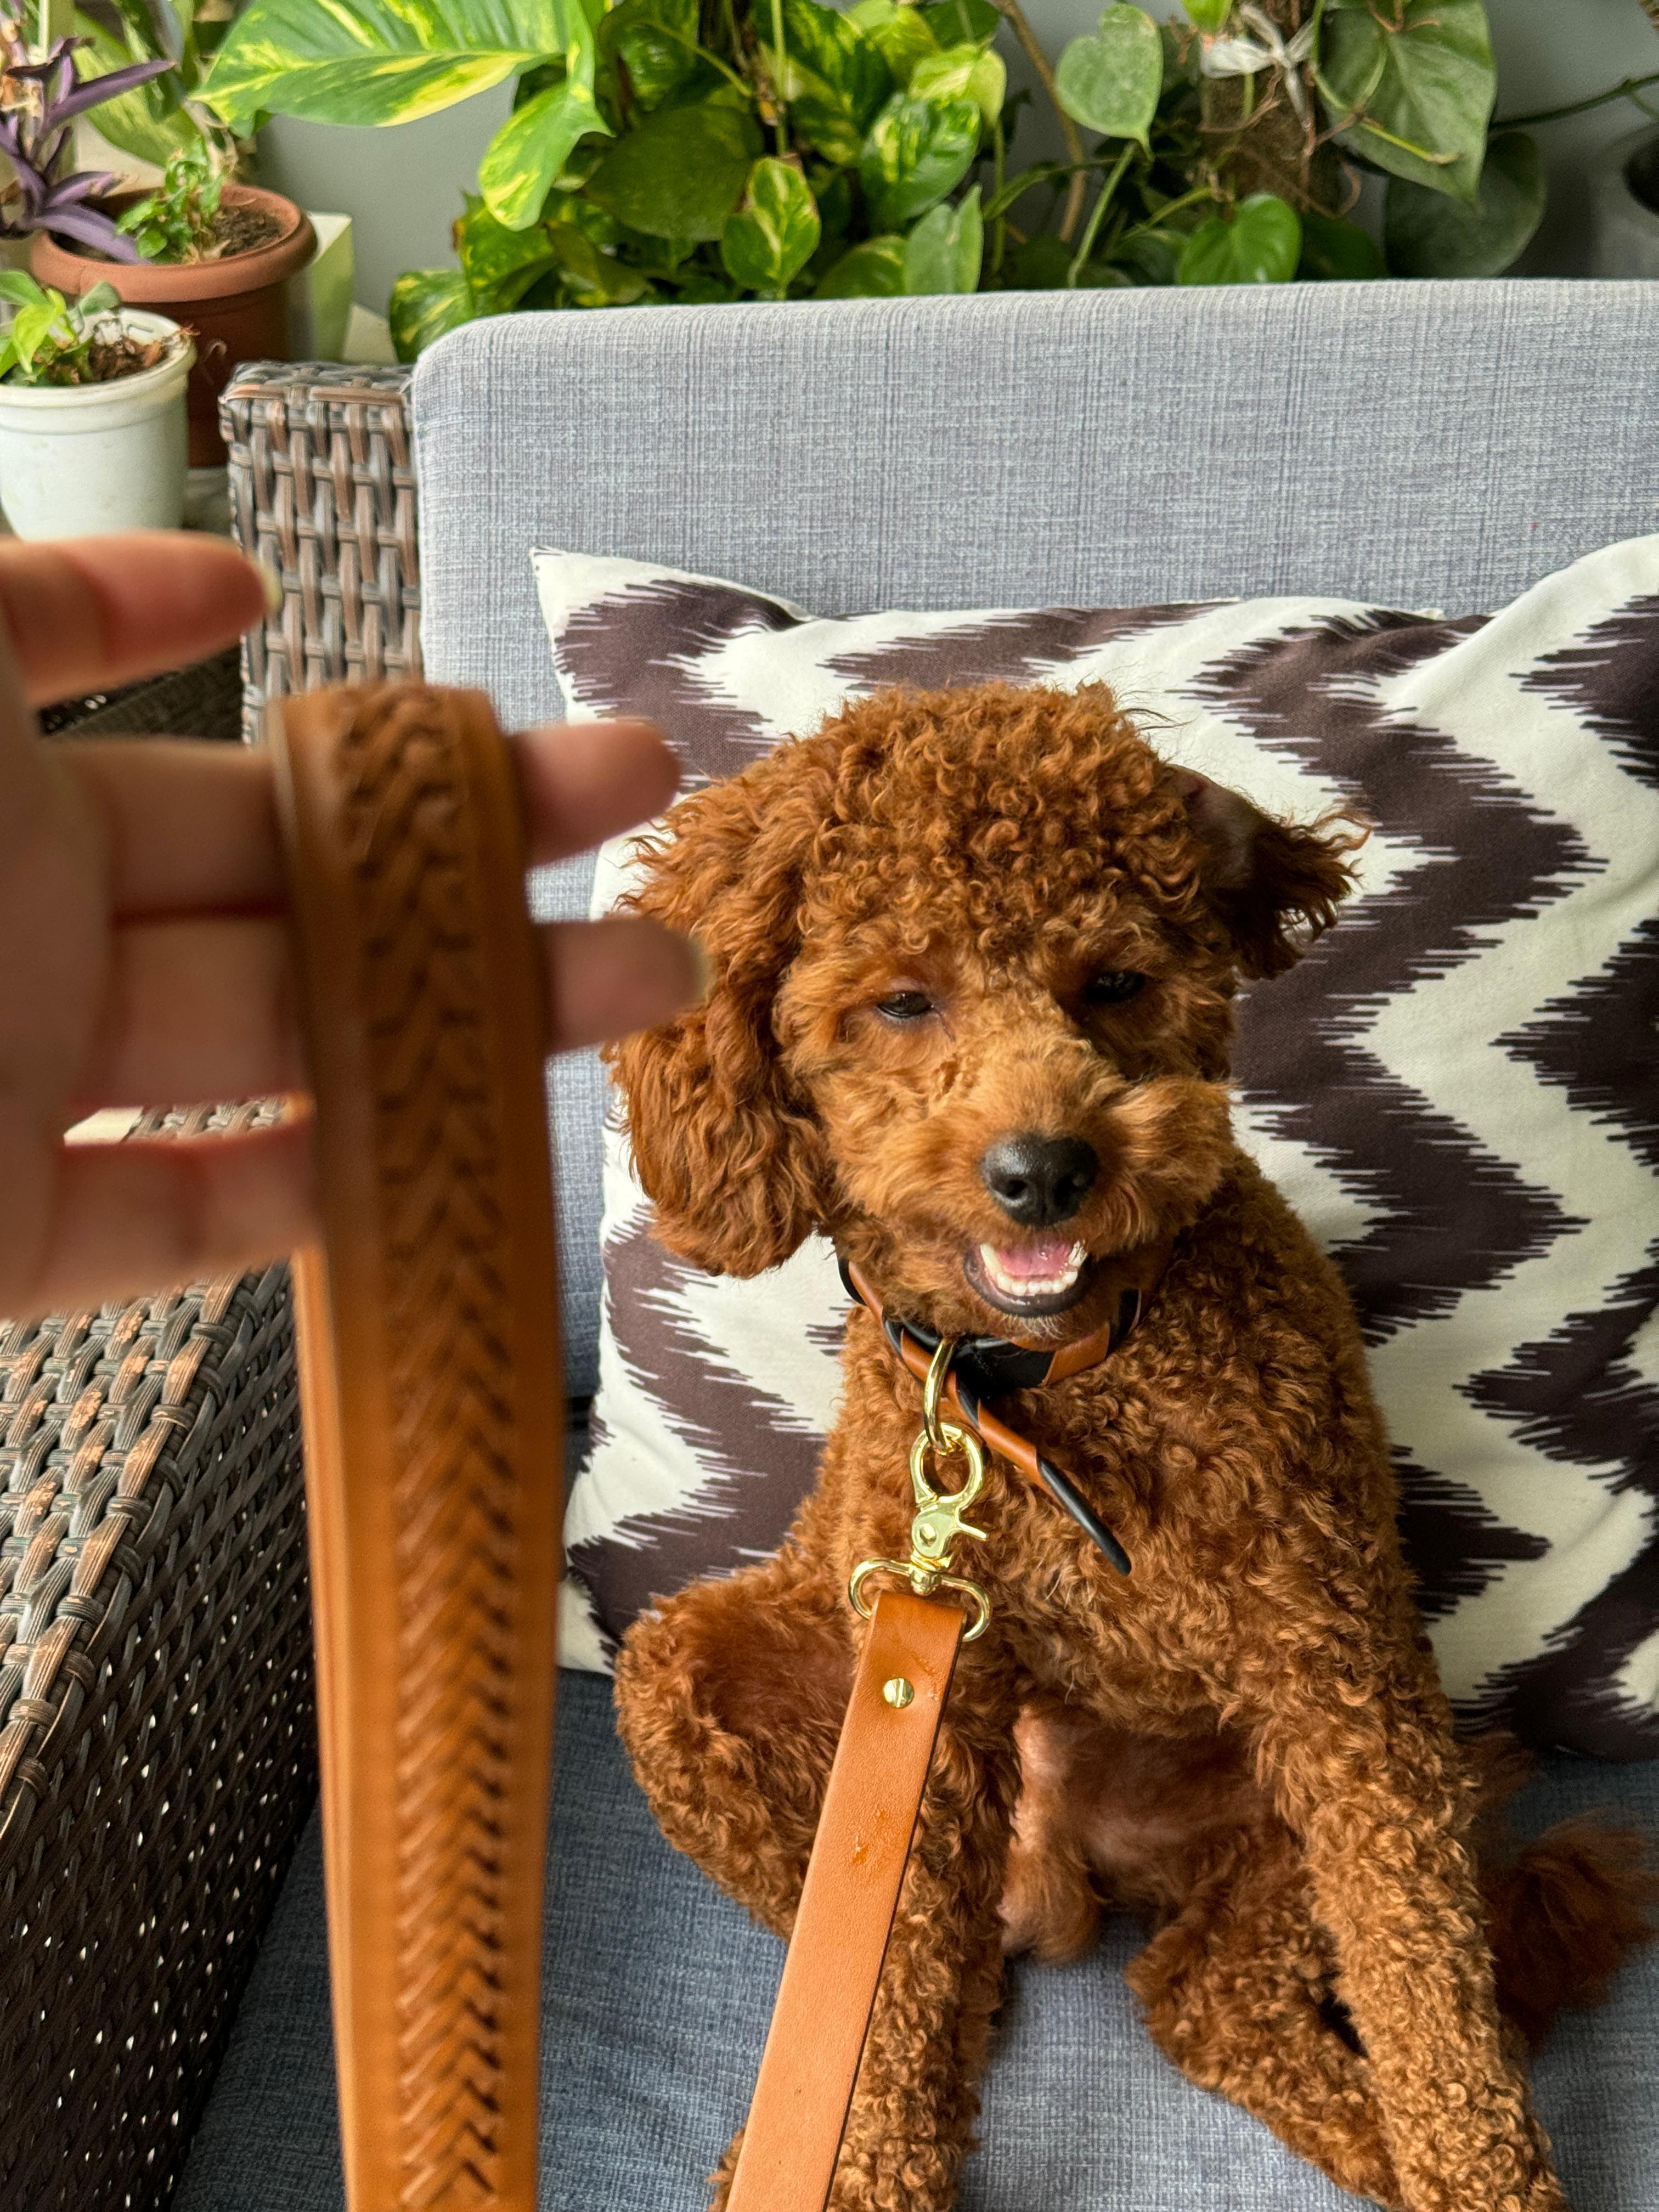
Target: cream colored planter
point(90, 457)
point(1624, 230)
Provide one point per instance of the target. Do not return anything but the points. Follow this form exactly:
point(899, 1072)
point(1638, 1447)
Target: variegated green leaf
point(527, 152)
point(775, 232)
point(944, 252)
point(963, 72)
point(873, 271)
point(424, 304)
point(917, 152)
point(384, 61)
point(148, 122)
point(900, 34)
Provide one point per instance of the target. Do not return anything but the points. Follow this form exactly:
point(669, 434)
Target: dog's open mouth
point(1046, 1277)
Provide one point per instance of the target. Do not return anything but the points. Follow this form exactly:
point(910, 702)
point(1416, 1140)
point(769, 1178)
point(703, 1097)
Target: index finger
point(86, 614)
point(192, 828)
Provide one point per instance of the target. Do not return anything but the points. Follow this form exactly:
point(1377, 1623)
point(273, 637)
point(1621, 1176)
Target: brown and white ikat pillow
point(1457, 1088)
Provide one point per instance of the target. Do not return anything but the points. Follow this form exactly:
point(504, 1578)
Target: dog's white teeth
point(1028, 1286)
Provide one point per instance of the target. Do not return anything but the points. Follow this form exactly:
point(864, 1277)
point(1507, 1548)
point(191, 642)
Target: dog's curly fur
point(1247, 1740)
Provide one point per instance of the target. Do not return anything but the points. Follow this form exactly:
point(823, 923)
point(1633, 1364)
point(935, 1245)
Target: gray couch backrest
point(1412, 445)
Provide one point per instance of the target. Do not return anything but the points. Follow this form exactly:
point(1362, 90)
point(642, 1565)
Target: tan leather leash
point(432, 1404)
point(833, 1969)
point(832, 1972)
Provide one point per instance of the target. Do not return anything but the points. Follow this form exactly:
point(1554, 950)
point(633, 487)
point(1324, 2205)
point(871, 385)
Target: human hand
point(144, 947)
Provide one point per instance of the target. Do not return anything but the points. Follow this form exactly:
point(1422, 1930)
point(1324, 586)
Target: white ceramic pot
point(1623, 229)
point(87, 456)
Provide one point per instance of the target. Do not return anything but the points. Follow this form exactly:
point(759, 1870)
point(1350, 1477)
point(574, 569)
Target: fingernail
point(273, 584)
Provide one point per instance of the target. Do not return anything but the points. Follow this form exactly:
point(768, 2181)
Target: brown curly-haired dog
point(976, 955)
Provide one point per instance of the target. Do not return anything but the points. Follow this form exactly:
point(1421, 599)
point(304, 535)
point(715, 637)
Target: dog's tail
point(1562, 1917)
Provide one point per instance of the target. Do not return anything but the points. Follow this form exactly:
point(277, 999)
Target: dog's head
point(975, 952)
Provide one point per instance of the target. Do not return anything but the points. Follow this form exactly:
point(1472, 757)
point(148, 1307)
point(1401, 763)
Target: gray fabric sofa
point(1426, 446)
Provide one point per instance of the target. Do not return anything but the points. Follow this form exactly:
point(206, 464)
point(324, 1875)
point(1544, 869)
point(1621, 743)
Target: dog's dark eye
point(905, 1006)
point(1113, 986)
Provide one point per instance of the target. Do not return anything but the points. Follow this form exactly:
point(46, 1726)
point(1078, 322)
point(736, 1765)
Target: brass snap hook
point(943, 1435)
point(939, 1516)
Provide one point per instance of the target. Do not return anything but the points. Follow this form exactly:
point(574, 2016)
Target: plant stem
point(703, 54)
point(1168, 207)
point(1627, 90)
point(1014, 15)
point(781, 53)
point(1086, 243)
point(999, 168)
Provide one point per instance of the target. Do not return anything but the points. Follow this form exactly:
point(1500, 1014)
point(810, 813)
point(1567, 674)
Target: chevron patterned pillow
point(1456, 1089)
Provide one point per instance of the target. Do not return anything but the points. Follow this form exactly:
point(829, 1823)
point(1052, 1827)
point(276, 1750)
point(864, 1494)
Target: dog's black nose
point(1039, 1181)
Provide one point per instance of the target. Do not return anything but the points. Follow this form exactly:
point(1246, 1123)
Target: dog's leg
point(1235, 1989)
point(1353, 1734)
point(729, 1699)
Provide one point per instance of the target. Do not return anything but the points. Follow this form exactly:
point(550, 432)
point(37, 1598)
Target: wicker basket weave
point(322, 490)
point(157, 1751)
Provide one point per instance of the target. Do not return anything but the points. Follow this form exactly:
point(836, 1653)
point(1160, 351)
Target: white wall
point(403, 185)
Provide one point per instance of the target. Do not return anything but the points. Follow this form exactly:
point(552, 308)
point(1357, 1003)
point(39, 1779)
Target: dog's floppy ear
point(1275, 886)
point(730, 1158)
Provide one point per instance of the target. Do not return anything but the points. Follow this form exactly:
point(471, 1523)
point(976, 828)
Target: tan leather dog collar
point(991, 1366)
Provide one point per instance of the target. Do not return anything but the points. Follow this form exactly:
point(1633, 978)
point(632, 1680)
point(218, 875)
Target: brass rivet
point(898, 1691)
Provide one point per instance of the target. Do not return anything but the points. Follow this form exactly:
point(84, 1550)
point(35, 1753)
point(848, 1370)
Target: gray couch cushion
point(1412, 445)
point(656, 1993)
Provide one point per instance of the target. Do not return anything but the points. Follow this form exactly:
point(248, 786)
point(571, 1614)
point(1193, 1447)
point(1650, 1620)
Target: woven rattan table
point(322, 489)
point(157, 1732)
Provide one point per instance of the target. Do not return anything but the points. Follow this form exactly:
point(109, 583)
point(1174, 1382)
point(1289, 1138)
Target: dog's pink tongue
point(1051, 1256)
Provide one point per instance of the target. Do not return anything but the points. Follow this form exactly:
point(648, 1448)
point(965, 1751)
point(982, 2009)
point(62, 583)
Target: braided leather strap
point(432, 1408)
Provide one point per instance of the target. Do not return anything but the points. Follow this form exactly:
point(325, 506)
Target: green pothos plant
point(673, 150)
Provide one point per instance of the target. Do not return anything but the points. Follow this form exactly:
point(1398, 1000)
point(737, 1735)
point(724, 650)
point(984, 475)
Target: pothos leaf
point(775, 232)
point(917, 151)
point(527, 152)
point(952, 21)
point(871, 270)
point(900, 34)
point(657, 42)
point(833, 47)
point(944, 252)
point(593, 279)
point(424, 304)
point(681, 172)
point(963, 72)
point(499, 264)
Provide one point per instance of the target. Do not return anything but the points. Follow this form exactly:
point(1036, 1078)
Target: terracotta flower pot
point(238, 308)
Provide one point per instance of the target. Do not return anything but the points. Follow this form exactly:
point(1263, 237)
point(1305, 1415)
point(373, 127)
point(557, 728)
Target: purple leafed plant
point(38, 135)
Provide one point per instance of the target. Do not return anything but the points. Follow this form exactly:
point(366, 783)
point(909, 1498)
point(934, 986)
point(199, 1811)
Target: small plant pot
point(79, 458)
point(1624, 206)
point(237, 308)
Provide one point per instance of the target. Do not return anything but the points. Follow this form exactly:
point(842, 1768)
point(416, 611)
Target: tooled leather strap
point(833, 1969)
point(432, 1407)
point(983, 1364)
